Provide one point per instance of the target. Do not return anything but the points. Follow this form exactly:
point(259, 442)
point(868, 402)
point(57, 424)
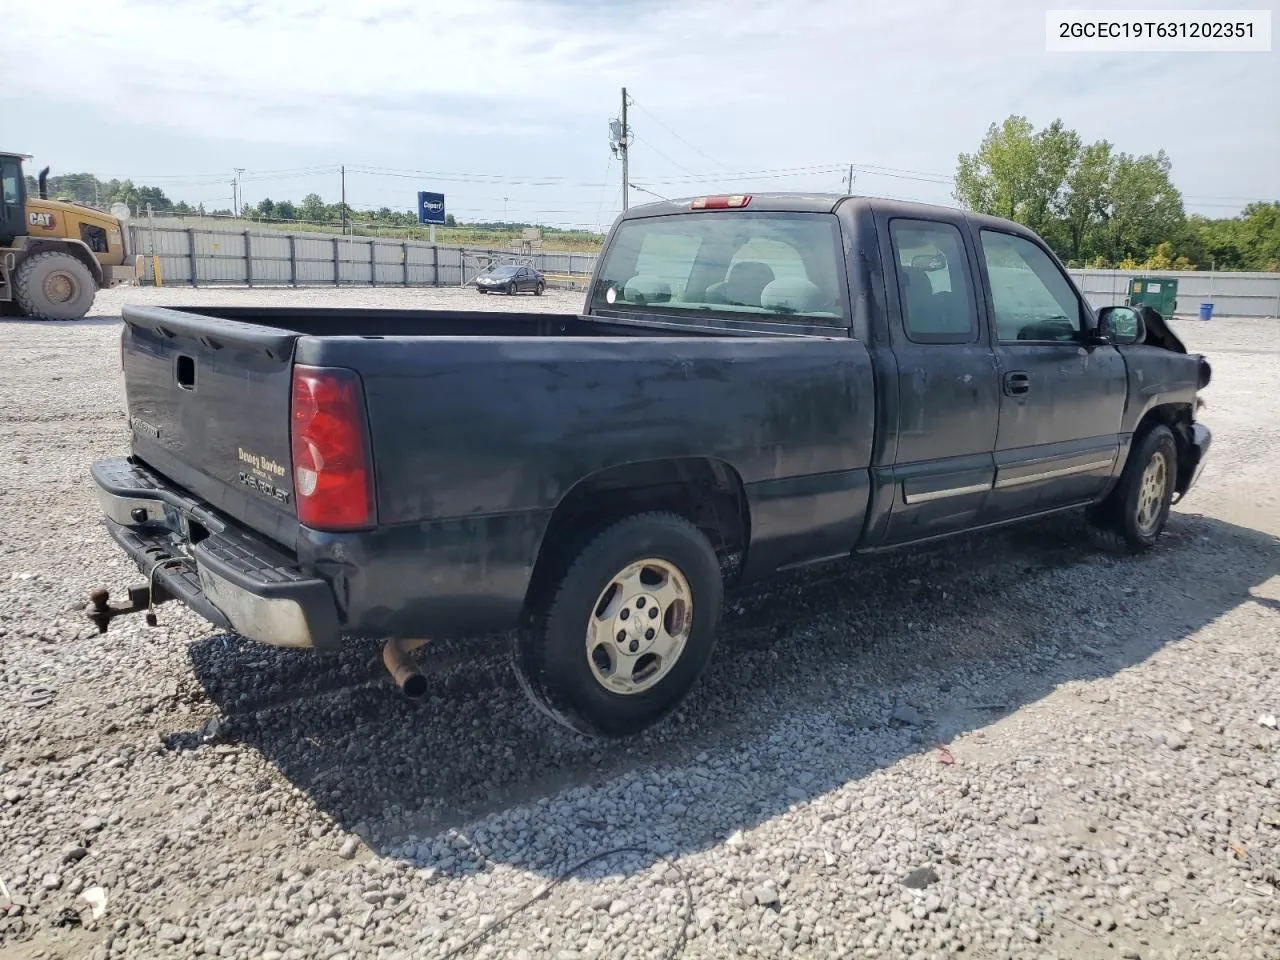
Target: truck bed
point(481, 423)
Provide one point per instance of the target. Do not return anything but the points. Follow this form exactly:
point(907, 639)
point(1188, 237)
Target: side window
point(933, 282)
point(1031, 298)
point(95, 238)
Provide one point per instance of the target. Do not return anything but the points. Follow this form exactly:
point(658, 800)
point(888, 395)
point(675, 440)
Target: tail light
point(332, 481)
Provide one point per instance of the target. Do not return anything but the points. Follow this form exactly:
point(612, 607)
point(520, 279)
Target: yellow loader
point(55, 255)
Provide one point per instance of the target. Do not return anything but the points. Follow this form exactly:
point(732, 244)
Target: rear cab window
point(933, 282)
point(728, 264)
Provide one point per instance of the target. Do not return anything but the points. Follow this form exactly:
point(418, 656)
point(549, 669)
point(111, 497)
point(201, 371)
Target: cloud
point(508, 87)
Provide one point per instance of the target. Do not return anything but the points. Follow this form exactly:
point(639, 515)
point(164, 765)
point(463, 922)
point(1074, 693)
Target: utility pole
point(850, 190)
point(236, 199)
point(343, 170)
point(623, 144)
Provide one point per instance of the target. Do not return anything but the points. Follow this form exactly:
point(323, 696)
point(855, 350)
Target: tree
point(312, 207)
point(450, 220)
point(1088, 202)
point(1260, 232)
point(1145, 206)
point(1087, 199)
point(998, 179)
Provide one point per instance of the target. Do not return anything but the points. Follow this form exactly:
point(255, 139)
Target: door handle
point(1017, 383)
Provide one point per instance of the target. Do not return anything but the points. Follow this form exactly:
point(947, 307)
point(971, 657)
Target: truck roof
point(825, 203)
point(15, 156)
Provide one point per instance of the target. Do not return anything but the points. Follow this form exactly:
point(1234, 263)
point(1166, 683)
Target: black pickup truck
point(756, 383)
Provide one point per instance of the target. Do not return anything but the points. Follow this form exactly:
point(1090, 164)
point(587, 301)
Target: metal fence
point(199, 256)
point(1232, 294)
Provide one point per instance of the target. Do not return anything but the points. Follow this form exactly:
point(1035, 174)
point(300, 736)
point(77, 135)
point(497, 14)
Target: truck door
point(948, 394)
point(12, 213)
point(1061, 401)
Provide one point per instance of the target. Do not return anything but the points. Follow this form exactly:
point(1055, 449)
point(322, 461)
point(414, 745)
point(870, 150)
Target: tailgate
point(208, 403)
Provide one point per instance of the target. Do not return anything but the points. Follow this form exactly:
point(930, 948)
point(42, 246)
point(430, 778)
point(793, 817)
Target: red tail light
point(720, 203)
point(331, 476)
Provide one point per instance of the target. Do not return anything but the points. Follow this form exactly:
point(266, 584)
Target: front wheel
point(629, 630)
point(54, 286)
point(537, 291)
point(1134, 514)
point(511, 289)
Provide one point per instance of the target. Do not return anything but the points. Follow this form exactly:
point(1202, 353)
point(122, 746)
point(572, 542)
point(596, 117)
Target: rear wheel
point(629, 630)
point(1134, 514)
point(54, 286)
point(539, 288)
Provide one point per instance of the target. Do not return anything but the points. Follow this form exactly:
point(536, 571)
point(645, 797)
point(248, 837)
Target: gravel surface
point(1004, 746)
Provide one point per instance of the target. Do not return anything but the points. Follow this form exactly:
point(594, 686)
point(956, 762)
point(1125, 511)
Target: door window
point(1031, 298)
point(9, 183)
point(933, 282)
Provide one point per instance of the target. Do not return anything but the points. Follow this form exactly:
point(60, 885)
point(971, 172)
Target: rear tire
point(54, 286)
point(652, 579)
point(537, 291)
point(1132, 517)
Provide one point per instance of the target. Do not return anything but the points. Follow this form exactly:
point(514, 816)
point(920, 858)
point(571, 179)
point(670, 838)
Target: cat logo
point(46, 220)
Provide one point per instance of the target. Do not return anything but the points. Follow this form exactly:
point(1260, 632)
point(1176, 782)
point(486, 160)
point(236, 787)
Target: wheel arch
point(1178, 417)
point(33, 246)
point(706, 491)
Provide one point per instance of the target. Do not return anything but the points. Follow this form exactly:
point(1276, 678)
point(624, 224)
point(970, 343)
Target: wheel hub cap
point(1152, 492)
point(59, 287)
point(639, 626)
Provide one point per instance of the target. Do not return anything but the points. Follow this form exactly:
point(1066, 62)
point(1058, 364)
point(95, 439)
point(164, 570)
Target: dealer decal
point(263, 470)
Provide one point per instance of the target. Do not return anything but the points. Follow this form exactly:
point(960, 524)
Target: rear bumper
point(226, 574)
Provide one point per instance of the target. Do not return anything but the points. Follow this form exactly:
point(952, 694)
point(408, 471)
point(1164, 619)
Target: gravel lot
point(1007, 746)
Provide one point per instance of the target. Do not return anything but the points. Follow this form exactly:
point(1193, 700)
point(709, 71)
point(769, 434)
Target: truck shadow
point(963, 633)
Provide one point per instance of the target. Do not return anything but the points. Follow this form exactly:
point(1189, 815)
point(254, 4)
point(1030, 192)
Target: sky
point(504, 105)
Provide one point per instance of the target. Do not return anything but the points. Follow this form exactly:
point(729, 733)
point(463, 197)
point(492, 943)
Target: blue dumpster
point(1206, 311)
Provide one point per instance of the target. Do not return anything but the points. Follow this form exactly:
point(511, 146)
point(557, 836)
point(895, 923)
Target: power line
point(636, 136)
point(649, 114)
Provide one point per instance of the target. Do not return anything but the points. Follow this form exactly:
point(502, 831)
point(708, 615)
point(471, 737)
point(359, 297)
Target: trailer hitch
point(102, 612)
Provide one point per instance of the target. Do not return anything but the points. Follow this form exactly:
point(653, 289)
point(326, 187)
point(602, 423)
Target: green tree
point(312, 207)
point(999, 178)
point(1145, 207)
point(1087, 199)
point(1260, 233)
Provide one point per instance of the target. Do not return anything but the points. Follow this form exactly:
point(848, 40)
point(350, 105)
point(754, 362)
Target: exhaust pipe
point(43, 180)
point(404, 671)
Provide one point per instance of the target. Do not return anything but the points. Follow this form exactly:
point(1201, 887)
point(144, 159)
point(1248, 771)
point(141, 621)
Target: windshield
point(733, 263)
point(501, 273)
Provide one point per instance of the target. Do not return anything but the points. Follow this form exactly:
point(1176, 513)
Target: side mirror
point(1121, 325)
